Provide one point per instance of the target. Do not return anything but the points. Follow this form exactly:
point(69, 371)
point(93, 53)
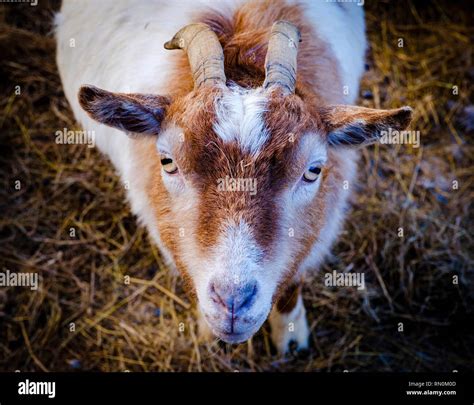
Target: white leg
point(290, 326)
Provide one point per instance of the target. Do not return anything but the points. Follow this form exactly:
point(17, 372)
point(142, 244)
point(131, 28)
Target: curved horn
point(205, 53)
point(280, 62)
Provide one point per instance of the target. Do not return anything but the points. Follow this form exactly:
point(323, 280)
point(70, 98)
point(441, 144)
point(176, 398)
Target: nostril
point(233, 299)
point(248, 297)
point(215, 296)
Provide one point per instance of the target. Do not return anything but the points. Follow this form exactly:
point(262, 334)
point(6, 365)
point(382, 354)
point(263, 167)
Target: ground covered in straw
point(84, 317)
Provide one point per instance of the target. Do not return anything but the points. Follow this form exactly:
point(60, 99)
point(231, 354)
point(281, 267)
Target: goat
point(240, 152)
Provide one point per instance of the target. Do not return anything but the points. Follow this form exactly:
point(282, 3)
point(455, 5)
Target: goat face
point(243, 183)
point(240, 184)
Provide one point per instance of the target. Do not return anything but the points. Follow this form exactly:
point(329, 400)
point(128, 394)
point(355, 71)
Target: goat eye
point(169, 166)
point(311, 174)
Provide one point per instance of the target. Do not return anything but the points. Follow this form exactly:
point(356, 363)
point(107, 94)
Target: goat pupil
point(315, 170)
point(166, 161)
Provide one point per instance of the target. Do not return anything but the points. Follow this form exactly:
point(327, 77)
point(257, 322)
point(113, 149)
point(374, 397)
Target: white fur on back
point(341, 25)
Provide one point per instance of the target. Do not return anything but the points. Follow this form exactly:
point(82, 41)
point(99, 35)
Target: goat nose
point(233, 298)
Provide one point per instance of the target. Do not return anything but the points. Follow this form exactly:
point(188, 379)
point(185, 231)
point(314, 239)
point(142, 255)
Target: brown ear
point(350, 125)
point(132, 113)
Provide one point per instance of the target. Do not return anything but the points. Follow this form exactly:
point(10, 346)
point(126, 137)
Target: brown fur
point(289, 298)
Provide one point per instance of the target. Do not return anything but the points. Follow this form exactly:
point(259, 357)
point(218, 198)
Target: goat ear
point(359, 126)
point(132, 113)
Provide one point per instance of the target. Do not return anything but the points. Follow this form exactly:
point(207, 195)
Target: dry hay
point(137, 326)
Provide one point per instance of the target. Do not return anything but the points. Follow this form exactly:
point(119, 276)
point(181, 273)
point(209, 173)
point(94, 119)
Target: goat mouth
point(230, 335)
point(233, 338)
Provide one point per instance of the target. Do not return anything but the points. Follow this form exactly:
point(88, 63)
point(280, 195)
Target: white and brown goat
point(263, 92)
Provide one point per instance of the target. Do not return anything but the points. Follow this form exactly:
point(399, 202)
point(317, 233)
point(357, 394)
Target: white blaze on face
point(240, 118)
point(234, 259)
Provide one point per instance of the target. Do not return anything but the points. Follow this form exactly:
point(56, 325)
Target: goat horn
point(204, 51)
point(280, 62)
